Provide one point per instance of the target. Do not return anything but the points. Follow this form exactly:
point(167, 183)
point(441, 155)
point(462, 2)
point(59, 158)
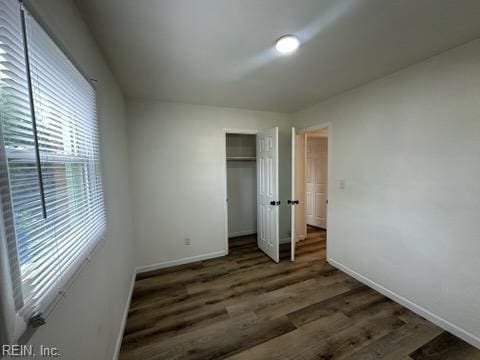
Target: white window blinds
point(51, 186)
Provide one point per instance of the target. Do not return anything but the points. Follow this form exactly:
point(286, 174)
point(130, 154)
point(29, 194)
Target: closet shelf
point(241, 158)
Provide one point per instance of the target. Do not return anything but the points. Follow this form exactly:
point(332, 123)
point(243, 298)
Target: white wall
point(241, 185)
point(177, 162)
point(408, 146)
point(86, 324)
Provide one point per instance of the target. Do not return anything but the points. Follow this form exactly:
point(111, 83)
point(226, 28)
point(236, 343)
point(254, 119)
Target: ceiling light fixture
point(287, 44)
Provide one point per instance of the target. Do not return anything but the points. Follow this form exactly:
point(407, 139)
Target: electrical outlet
point(188, 241)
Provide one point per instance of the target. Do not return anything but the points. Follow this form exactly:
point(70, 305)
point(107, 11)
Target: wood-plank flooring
point(244, 306)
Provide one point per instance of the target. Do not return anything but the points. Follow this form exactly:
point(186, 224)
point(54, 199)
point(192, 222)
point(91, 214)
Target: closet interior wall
point(241, 184)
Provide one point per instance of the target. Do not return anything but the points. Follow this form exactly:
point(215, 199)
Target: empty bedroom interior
point(240, 179)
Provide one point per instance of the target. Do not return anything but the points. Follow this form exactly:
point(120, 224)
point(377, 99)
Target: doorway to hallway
point(310, 154)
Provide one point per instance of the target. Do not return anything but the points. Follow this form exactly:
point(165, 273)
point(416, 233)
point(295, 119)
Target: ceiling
point(220, 52)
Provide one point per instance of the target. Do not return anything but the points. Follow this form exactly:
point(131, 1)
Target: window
point(50, 183)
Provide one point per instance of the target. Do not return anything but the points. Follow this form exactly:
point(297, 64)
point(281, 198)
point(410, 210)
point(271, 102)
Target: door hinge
point(275, 203)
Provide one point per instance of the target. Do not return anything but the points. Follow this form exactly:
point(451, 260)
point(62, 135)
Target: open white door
point(298, 225)
point(268, 203)
point(292, 202)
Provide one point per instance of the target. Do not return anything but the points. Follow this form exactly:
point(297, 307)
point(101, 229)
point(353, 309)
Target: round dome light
point(287, 44)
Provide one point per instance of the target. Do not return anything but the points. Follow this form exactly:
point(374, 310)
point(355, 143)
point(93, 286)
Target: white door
point(268, 203)
point(298, 225)
point(316, 181)
point(293, 239)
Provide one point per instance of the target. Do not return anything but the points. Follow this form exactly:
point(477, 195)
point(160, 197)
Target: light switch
point(341, 184)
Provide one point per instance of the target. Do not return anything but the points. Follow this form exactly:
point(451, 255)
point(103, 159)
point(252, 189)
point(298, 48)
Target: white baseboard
point(441, 322)
point(118, 344)
point(285, 240)
point(242, 233)
point(169, 263)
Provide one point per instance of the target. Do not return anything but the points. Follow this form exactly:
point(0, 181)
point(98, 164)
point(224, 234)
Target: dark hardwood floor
point(244, 306)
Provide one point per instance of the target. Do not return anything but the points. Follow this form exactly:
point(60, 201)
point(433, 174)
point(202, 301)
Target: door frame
point(328, 126)
point(227, 131)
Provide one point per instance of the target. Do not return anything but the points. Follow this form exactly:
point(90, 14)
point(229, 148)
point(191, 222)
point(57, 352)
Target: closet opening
point(241, 172)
